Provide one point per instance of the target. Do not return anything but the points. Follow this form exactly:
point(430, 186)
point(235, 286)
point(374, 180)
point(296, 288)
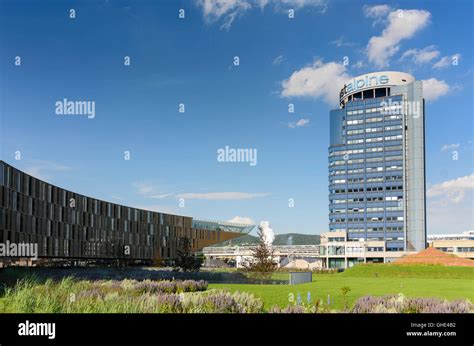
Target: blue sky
point(191, 61)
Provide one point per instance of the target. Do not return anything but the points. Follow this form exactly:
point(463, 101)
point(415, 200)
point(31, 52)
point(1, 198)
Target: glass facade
point(68, 225)
point(371, 158)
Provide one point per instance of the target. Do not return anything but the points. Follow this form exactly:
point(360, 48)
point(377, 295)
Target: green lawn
point(412, 281)
point(421, 281)
point(418, 271)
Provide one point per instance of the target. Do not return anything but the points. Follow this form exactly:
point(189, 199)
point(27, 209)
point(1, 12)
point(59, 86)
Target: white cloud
point(421, 56)
point(358, 64)
point(446, 61)
point(162, 208)
point(143, 188)
point(222, 195)
point(341, 42)
point(149, 190)
point(376, 11)
point(401, 25)
point(297, 4)
point(161, 196)
point(278, 60)
point(242, 220)
point(319, 80)
point(229, 10)
point(449, 205)
point(434, 88)
point(451, 218)
point(262, 3)
point(447, 147)
point(42, 169)
point(453, 190)
point(300, 123)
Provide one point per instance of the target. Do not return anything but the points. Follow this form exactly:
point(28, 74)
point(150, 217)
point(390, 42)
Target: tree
point(345, 290)
point(262, 264)
point(157, 259)
point(186, 260)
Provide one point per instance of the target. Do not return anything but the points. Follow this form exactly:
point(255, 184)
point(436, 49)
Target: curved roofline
point(372, 81)
point(98, 199)
point(245, 228)
point(379, 72)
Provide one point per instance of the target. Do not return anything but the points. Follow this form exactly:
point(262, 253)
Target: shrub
point(221, 302)
point(400, 304)
point(163, 286)
point(128, 296)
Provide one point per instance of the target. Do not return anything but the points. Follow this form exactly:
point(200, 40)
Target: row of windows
point(369, 210)
point(367, 150)
point(336, 239)
point(374, 139)
point(355, 180)
point(355, 231)
point(368, 219)
point(376, 229)
point(368, 180)
point(374, 249)
point(368, 199)
point(372, 169)
point(374, 129)
point(372, 120)
point(54, 247)
point(385, 109)
point(458, 249)
point(368, 169)
point(370, 189)
point(367, 160)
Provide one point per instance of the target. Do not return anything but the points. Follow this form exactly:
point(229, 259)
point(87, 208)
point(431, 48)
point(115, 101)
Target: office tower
point(377, 162)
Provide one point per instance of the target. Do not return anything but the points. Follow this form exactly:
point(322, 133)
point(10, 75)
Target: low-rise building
point(286, 256)
point(460, 244)
point(338, 251)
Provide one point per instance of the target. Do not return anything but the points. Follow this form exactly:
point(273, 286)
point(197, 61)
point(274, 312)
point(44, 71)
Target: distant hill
point(280, 239)
point(297, 239)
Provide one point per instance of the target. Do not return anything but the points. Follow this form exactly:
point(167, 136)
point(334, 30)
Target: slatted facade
point(68, 225)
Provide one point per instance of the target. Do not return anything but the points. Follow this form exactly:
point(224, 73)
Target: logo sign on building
point(374, 80)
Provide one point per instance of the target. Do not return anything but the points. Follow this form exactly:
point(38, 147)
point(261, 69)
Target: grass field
point(413, 281)
point(409, 271)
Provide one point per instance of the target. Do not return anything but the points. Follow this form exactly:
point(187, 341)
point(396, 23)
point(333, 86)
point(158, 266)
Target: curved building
point(377, 163)
point(67, 225)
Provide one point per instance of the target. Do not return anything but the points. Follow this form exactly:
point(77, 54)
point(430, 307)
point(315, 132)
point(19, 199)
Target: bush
point(127, 296)
point(187, 261)
point(168, 286)
point(401, 304)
